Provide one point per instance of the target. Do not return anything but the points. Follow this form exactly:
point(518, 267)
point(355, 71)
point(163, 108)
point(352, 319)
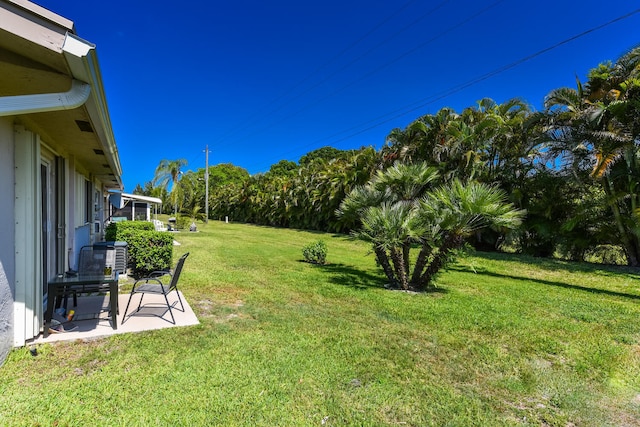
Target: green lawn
point(506, 340)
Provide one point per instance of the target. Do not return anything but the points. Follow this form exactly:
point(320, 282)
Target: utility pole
point(206, 183)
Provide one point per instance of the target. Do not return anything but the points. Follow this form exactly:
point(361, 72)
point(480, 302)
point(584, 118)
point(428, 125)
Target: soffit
point(72, 133)
point(32, 62)
point(59, 129)
point(24, 76)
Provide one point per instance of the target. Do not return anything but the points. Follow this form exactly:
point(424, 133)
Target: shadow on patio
point(91, 319)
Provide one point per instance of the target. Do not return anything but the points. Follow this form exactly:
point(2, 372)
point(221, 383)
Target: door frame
point(48, 216)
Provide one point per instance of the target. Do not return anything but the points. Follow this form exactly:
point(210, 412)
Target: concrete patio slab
point(91, 319)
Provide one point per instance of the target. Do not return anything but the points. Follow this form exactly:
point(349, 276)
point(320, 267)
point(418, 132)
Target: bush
point(183, 222)
point(606, 254)
point(315, 253)
point(148, 250)
point(114, 231)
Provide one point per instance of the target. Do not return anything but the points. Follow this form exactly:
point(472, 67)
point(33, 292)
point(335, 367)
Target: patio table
point(62, 285)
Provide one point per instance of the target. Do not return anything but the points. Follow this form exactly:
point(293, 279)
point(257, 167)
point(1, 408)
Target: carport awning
point(118, 200)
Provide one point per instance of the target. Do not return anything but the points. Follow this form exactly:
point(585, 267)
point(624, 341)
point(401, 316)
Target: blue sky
point(261, 81)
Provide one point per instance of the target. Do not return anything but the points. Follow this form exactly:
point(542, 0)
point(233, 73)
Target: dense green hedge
point(114, 231)
point(148, 250)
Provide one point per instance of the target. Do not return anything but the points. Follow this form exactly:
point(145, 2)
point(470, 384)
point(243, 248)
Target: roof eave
point(83, 64)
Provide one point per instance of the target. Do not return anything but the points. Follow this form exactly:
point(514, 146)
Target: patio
point(91, 319)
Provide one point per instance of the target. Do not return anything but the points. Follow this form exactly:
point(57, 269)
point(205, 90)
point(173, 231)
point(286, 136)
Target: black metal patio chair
point(154, 285)
point(92, 261)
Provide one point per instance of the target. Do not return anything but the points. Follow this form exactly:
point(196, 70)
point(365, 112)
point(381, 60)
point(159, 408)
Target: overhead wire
point(379, 68)
point(268, 110)
point(397, 113)
point(350, 63)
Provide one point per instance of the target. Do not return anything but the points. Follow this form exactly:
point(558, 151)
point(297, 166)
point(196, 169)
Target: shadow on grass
point(557, 264)
point(346, 275)
point(547, 282)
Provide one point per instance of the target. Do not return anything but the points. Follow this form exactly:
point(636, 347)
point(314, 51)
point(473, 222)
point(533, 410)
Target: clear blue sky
point(261, 81)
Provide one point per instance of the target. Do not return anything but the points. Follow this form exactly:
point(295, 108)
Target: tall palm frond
point(462, 208)
point(405, 181)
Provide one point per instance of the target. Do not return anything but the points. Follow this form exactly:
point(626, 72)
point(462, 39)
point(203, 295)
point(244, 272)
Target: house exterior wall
point(27, 306)
point(7, 263)
point(45, 160)
point(21, 303)
point(26, 296)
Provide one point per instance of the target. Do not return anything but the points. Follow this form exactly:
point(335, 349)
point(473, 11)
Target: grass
point(505, 340)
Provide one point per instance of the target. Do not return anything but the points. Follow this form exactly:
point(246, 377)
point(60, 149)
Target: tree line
point(572, 167)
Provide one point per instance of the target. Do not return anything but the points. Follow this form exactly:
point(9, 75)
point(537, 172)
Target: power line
point(261, 113)
point(388, 117)
point(379, 68)
point(353, 61)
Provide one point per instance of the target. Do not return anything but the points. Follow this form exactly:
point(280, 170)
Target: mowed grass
point(505, 340)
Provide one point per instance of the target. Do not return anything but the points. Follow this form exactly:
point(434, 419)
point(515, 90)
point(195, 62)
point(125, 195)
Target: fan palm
point(449, 215)
point(398, 212)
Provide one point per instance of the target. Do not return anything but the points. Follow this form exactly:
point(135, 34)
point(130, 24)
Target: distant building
point(133, 207)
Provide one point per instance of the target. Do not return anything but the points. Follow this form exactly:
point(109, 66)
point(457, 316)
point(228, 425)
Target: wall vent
point(84, 126)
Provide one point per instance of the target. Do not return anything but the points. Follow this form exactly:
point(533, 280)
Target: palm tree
point(389, 229)
point(598, 126)
point(194, 213)
point(452, 213)
point(168, 172)
point(191, 190)
point(398, 212)
point(485, 142)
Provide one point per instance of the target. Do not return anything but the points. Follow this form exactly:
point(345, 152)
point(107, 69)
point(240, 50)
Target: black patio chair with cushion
point(154, 285)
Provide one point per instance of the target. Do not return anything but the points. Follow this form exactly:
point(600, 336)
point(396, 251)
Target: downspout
point(28, 104)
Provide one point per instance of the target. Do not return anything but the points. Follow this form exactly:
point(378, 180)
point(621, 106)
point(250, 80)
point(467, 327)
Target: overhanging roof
point(40, 54)
point(140, 198)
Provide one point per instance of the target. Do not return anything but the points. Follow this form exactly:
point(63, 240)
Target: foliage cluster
point(183, 222)
point(147, 250)
point(305, 197)
point(315, 252)
point(400, 210)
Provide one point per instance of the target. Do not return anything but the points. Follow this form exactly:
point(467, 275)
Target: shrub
point(315, 253)
point(183, 222)
point(114, 231)
point(148, 250)
point(606, 254)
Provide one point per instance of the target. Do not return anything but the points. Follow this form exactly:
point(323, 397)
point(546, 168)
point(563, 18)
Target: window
point(88, 202)
point(84, 204)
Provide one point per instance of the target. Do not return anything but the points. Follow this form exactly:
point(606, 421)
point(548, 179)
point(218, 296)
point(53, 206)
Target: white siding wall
point(81, 200)
point(28, 239)
point(7, 263)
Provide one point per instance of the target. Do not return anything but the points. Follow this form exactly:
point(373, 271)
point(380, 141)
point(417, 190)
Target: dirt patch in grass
point(221, 312)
